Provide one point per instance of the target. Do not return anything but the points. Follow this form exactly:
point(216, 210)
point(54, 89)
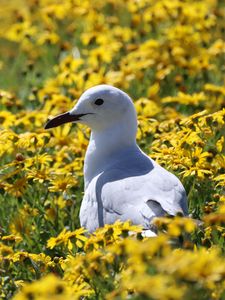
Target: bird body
point(121, 181)
point(135, 188)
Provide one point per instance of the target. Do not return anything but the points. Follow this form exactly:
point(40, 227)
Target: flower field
point(169, 56)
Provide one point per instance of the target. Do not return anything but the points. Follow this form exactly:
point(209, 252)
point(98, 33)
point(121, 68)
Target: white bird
point(121, 181)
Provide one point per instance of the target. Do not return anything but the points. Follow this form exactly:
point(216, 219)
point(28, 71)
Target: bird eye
point(99, 101)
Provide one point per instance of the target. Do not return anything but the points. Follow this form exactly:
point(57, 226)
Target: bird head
point(99, 108)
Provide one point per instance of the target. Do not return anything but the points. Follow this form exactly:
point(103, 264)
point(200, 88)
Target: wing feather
point(137, 189)
point(140, 198)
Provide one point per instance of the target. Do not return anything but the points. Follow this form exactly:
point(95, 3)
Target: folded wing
point(139, 198)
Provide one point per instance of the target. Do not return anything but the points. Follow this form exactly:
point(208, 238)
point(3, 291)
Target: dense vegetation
point(169, 57)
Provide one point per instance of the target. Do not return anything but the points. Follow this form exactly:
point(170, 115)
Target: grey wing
point(139, 198)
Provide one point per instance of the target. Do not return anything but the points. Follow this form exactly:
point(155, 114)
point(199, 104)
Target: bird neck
point(107, 147)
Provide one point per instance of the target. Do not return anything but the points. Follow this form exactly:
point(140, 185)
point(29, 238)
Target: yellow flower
point(110, 234)
point(65, 238)
point(12, 237)
point(48, 37)
point(220, 144)
point(146, 107)
point(175, 226)
point(205, 267)
point(5, 251)
point(18, 188)
point(19, 31)
point(61, 136)
point(186, 99)
point(49, 287)
point(62, 182)
point(7, 119)
point(154, 287)
point(220, 179)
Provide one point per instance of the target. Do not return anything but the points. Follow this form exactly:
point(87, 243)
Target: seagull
point(121, 182)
